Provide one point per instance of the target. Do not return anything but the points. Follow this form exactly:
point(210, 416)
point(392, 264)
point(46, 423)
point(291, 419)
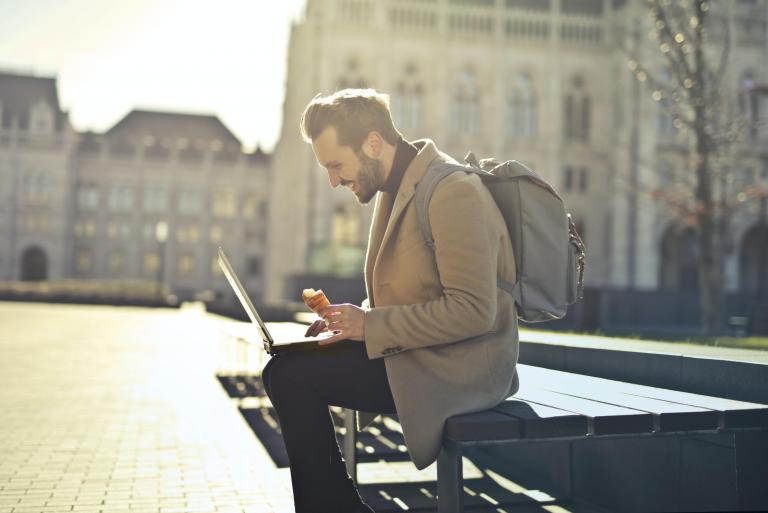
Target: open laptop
point(283, 337)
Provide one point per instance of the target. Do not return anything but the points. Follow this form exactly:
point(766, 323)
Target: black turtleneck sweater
point(404, 154)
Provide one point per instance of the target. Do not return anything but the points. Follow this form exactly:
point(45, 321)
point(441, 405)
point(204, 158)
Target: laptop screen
point(229, 272)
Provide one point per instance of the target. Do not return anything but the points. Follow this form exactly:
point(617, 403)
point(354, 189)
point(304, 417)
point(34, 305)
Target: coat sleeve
point(466, 254)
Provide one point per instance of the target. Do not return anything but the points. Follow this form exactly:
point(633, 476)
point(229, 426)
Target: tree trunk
point(710, 268)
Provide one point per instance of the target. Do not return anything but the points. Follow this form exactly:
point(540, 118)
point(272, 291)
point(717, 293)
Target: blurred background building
point(147, 201)
point(544, 82)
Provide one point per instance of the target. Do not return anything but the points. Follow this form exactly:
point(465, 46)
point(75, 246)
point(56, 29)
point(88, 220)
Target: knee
point(266, 376)
point(277, 376)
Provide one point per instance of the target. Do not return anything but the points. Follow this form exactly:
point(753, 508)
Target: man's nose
point(334, 179)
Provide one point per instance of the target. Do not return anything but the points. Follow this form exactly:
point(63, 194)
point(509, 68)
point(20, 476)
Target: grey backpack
point(549, 254)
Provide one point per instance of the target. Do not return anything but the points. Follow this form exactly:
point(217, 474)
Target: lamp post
point(161, 235)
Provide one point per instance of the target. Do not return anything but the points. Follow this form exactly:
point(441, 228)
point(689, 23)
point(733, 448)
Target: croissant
point(315, 299)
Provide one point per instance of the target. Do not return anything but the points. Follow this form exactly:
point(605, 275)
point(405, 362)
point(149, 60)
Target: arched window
point(521, 108)
point(465, 106)
point(34, 264)
point(679, 257)
point(352, 76)
point(577, 111)
point(408, 100)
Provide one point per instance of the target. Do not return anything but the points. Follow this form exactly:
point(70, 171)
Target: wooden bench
point(555, 406)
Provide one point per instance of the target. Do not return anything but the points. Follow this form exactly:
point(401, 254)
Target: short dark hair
point(354, 113)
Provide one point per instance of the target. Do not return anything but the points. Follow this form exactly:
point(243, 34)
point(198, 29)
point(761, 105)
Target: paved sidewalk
point(117, 409)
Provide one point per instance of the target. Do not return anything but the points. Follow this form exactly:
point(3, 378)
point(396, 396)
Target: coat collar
point(389, 207)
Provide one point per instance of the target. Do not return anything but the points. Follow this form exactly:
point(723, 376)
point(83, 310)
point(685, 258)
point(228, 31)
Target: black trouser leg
point(301, 386)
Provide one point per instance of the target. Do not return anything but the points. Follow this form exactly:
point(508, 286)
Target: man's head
point(353, 137)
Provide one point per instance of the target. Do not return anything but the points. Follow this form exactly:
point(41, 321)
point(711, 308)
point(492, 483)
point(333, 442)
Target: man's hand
point(346, 321)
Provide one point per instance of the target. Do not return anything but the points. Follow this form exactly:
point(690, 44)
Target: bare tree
point(694, 50)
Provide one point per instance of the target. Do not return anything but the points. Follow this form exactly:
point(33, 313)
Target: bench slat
point(668, 416)
point(733, 413)
point(484, 425)
point(541, 421)
point(602, 419)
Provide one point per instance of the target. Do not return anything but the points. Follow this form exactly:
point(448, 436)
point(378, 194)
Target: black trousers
point(301, 386)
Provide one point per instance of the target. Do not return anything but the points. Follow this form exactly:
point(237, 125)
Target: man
point(435, 337)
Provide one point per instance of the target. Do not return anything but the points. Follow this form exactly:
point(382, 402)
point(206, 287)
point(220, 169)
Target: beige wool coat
point(447, 333)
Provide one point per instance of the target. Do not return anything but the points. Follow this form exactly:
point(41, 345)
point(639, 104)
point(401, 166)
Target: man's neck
point(388, 159)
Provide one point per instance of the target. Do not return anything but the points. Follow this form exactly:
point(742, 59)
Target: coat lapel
point(418, 166)
point(381, 212)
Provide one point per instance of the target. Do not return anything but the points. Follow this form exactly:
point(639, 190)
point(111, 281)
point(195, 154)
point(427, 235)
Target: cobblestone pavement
point(113, 410)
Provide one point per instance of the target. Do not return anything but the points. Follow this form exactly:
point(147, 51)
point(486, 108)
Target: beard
point(369, 179)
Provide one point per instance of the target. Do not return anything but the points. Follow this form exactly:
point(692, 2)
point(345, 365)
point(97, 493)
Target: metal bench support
point(350, 442)
point(450, 479)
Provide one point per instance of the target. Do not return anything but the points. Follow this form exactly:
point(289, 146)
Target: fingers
point(332, 340)
point(316, 328)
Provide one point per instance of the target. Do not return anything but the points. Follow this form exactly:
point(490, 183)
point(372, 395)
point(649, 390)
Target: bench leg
point(450, 479)
point(350, 442)
point(750, 449)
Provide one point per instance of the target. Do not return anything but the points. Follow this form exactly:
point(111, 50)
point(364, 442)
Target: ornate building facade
point(148, 200)
point(542, 81)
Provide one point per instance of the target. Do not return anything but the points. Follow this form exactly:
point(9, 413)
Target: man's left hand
point(347, 321)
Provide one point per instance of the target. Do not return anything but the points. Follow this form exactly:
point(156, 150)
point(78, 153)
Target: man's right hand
point(316, 328)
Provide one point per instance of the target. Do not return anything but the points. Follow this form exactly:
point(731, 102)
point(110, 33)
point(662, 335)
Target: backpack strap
point(422, 196)
point(426, 187)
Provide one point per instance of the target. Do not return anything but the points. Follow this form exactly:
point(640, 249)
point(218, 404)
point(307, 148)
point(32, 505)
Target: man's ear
point(373, 144)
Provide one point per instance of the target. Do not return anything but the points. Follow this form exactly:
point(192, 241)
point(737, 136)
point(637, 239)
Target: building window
point(583, 180)
point(112, 231)
point(665, 119)
point(36, 223)
point(407, 103)
point(217, 234)
point(345, 227)
point(749, 103)
point(254, 266)
point(224, 204)
point(83, 260)
point(186, 265)
point(521, 108)
point(116, 261)
point(465, 106)
point(215, 267)
point(155, 199)
point(120, 198)
point(251, 206)
point(88, 198)
point(85, 229)
point(36, 189)
point(568, 179)
point(577, 111)
point(352, 76)
point(188, 234)
point(41, 119)
point(151, 262)
point(190, 202)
